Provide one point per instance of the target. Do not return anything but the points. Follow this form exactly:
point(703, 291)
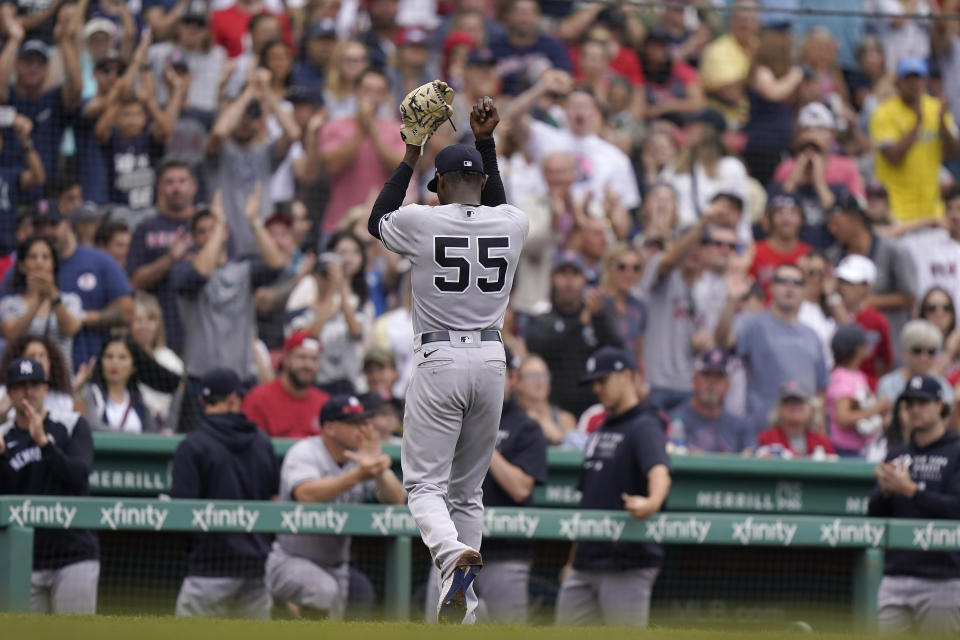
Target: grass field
point(159, 628)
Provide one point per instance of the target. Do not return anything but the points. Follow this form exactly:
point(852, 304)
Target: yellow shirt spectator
point(913, 186)
point(724, 61)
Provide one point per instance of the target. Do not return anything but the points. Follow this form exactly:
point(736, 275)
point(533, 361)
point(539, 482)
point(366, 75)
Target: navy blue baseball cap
point(25, 370)
point(605, 361)
point(220, 383)
point(47, 212)
point(34, 46)
point(568, 258)
point(325, 28)
point(342, 408)
point(920, 387)
point(300, 94)
point(713, 361)
point(481, 58)
point(456, 157)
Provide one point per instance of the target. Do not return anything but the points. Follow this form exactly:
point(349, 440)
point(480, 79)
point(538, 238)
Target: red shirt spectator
point(624, 63)
point(767, 259)
point(289, 407)
point(229, 26)
point(776, 435)
point(783, 246)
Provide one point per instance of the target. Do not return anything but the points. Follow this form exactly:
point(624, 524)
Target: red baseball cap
point(301, 338)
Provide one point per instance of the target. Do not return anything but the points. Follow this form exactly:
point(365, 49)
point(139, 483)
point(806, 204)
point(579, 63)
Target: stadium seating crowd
point(761, 206)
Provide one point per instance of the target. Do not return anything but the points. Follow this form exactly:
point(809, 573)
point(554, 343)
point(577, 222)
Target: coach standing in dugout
point(225, 458)
point(625, 467)
point(44, 453)
point(920, 590)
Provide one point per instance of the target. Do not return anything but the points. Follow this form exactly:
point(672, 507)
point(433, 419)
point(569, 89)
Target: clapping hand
point(35, 420)
point(369, 457)
point(251, 210)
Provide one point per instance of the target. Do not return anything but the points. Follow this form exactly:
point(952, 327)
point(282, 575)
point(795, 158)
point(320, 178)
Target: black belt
point(487, 335)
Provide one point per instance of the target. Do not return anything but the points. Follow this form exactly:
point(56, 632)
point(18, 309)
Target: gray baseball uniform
point(464, 259)
point(312, 570)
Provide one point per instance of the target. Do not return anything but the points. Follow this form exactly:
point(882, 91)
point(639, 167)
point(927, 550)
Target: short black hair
point(732, 198)
point(198, 215)
point(374, 71)
point(952, 194)
point(61, 182)
point(172, 162)
point(107, 229)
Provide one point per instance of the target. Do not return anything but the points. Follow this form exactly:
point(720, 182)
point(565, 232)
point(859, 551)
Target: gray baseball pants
point(906, 604)
point(306, 583)
point(502, 588)
point(453, 408)
point(620, 598)
point(208, 597)
point(69, 589)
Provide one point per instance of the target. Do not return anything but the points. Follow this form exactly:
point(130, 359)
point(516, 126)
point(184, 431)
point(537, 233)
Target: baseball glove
point(423, 110)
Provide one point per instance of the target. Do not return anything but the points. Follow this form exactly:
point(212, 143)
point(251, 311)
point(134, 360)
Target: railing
point(128, 465)
point(19, 515)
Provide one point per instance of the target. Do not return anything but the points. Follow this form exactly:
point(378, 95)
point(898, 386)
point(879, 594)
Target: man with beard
point(159, 242)
point(289, 407)
point(701, 422)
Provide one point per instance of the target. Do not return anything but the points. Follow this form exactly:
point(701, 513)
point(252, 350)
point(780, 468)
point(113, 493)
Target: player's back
point(464, 260)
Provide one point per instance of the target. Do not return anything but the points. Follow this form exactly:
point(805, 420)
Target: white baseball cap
point(816, 114)
point(100, 25)
point(856, 269)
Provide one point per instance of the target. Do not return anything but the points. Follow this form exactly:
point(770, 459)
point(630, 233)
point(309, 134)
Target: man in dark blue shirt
point(50, 453)
point(50, 110)
point(701, 424)
point(519, 462)
point(625, 467)
point(920, 590)
point(226, 458)
point(524, 52)
point(318, 44)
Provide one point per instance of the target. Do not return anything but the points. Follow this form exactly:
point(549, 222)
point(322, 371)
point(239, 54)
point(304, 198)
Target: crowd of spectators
point(761, 207)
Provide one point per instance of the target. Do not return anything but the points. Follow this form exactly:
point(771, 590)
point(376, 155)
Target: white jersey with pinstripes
point(464, 259)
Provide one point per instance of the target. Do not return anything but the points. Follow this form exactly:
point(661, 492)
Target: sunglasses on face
point(919, 351)
point(719, 243)
point(797, 282)
point(930, 308)
point(625, 267)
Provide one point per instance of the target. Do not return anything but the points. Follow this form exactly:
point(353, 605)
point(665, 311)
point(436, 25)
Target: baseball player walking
point(464, 255)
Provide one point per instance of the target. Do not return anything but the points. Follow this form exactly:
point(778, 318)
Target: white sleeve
point(400, 231)
point(298, 467)
point(625, 182)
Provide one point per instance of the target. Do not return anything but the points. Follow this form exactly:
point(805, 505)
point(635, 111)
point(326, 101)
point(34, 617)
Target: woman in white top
point(111, 398)
point(335, 306)
point(703, 169)
point(43, 349)
point(147, 330)
point(37, 307)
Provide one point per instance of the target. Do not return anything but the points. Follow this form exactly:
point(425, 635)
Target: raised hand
point(180, 244)
point(35, 420)
point(484, 118)
point(252, 209)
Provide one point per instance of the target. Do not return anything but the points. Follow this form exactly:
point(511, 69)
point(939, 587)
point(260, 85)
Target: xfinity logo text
point(579, 526)
point(934, 536)
point(750, 531)
point(300, 518)
point(118, 515)
point(690, 529)
point(519, 525)
point(836, 532)
point(28, 514)
point(233, 517)
point(392, 521)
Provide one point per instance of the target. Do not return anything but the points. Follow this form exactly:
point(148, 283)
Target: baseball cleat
point(452, 607)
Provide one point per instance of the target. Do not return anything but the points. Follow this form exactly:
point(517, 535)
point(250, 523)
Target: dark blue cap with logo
point(481, 58)
point(605, 361)
point(923, 388)
point(24, 370)
point(325, 28)
point(47, 212)
point(342, 408)
point(220, 383)
point(713, 361)
point(456, 157)
point(568, 259)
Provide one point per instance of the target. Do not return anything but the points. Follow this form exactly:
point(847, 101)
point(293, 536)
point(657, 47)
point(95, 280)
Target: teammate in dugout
point(625, 466)
point(464, 254)
point(50, 453)
point(920, 590)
